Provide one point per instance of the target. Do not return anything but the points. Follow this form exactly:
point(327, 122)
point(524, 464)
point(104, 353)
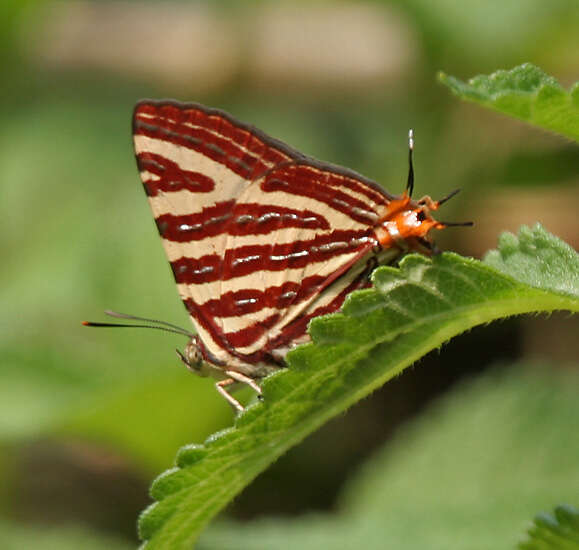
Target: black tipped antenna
point(158, 325)
point(410, 182)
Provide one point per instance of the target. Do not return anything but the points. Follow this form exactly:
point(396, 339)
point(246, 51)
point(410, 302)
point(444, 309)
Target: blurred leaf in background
point(492, 33)
point(18, 537)
point(556, 531)
point(524, 92)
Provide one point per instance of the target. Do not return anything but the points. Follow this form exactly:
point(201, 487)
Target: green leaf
point(538, 259)
point(558, 531)
point(525, 92)
point(466, 473)
point(410, 311)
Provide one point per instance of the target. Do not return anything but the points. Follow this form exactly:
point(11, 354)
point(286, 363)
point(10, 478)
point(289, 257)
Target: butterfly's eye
point(194, 358)
point(421, 215)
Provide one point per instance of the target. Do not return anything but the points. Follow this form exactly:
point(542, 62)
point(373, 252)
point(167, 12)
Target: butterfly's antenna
point(410, 182)
point(135, 318)
point(448, 197)
point(159, 325)
point(457, 224)
point(452, 224)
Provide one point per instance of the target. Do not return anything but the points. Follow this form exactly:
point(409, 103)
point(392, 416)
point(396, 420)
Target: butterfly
point(260, 237)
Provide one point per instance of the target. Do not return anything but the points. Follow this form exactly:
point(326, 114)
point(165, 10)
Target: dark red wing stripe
point(173, 177)
point(197, 270)
point(355, 185)
point(248, 301)
point(252, 333)
point(245, 260)
point(250, 219)
point(338, 178)
point(259, 219)
point(209, 222)
point(212, 136)
point(304, 181)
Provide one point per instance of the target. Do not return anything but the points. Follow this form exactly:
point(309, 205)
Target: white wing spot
point(328, 247)
point(267, 217)
point(187, 227)
point(287, 256)
point(288, 295)
point(206, 269)
point(238, 261)
point(245, 302)
point(363, 240)
point(217, 219)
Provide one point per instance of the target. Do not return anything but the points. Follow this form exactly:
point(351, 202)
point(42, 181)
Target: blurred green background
point(88, 417)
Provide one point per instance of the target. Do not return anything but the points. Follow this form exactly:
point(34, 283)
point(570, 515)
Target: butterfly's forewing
point(194, 163)
point(260, 237)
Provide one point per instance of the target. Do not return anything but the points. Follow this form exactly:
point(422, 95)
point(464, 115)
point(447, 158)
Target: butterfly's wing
point(300, 238)
point(260, 238)
point(194, 163)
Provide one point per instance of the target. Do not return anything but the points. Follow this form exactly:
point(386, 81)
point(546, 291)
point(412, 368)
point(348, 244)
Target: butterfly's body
point(261, 238)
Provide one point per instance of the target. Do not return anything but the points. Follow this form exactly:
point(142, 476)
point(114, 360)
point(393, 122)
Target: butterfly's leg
point(244, 380)
point(221, 385)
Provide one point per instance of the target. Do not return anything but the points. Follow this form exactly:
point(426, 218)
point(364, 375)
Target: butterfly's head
point(406, 224)
point(192, 357)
